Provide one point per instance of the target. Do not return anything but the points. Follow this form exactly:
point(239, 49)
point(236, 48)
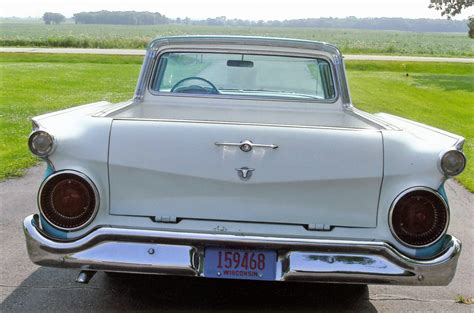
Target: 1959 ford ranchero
point(244, 158)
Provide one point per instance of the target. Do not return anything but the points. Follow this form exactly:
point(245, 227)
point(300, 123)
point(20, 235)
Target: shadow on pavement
point(54, 290)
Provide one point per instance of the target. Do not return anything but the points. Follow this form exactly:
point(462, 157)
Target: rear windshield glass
point(244, 75)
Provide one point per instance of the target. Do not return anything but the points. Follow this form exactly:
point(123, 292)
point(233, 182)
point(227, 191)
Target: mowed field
point(350, 41)
point(433, 93)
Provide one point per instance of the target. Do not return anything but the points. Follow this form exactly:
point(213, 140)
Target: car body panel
point(300, 182)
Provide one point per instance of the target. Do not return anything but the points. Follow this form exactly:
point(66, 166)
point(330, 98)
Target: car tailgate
point(316, 175)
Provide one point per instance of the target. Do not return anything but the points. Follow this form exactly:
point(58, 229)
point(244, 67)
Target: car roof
point(159, 42)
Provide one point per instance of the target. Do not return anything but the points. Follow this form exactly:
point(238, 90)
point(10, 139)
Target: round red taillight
point(419, 217)
point(68, 200)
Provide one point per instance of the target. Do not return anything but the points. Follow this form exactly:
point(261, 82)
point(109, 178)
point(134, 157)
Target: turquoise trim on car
point(51, 230)
point(432, 250)
point(49, 170)
point(436, 247)
point(442, 192)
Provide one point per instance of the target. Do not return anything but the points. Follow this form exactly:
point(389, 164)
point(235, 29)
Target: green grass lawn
point(138, 36)
point(35, 84)
point(433, 93)
point(440, 95)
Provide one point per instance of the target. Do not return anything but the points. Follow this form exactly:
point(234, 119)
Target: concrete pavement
point(142, 52)
point(25, 287)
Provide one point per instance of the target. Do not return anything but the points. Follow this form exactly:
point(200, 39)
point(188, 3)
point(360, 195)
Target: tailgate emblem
point(244, 173)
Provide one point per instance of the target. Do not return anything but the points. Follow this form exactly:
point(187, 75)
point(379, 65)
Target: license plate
point(240, 264)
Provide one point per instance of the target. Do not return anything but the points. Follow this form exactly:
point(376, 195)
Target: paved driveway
point(25, 287)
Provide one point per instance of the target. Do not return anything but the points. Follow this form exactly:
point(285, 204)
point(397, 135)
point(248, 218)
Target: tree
point(120, 17)
point(53, 18)
point(471, 27)
point(450, 8)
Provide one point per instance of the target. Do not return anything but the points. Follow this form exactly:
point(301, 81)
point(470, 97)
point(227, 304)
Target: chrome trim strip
point(244, 143)
point(35, 125)
point(181, 253)
point(459, 144)
point(434, 129)
point(143, 77)
point(242, 97)
point(81, 175)
point(394, 203)
point(342, 79)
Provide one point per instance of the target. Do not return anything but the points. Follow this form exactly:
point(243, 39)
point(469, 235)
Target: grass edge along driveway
point(437, 94)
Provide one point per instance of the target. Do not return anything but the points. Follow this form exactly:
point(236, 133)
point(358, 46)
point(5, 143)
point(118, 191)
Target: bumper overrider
point(181, 253)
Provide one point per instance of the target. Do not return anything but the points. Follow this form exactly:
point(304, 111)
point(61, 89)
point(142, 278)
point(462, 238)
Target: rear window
point(244, 75)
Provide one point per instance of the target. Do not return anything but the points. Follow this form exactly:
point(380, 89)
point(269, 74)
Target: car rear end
point(352, 203)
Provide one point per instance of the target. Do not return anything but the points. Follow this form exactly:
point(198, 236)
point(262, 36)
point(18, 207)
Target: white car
point(244, 158)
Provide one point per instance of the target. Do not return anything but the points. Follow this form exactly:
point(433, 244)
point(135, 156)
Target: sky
point(243, 9)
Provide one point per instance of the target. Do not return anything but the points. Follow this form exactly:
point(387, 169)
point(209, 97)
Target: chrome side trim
point(343, 84)
point(81, 175)
point(180, 253)
point(144, 75)
point(394, 203)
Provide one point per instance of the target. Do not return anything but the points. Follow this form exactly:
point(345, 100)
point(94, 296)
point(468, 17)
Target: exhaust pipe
point(85, 276)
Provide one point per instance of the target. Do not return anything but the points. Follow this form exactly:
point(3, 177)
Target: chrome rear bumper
point(178, 253)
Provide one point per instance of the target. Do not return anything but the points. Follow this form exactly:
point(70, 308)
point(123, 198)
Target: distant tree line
point(120, 17)
point(154, 18)
point(53, 18)
point(382, 23)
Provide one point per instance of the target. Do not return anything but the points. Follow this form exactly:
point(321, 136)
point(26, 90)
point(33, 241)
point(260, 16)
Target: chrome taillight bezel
point(406, 192)
point(31, 143)
point(87, 180)
point(444, 170)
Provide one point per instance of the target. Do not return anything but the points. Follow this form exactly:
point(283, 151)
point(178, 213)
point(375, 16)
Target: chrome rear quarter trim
point(178, 253)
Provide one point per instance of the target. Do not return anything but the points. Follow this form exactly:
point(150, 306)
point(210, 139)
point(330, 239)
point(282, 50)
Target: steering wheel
point(194, 88)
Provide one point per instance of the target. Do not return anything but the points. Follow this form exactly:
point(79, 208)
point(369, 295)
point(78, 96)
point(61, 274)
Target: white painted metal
point(327, 169)
point(244, 112)
point(175, 169)
point(82, 145)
